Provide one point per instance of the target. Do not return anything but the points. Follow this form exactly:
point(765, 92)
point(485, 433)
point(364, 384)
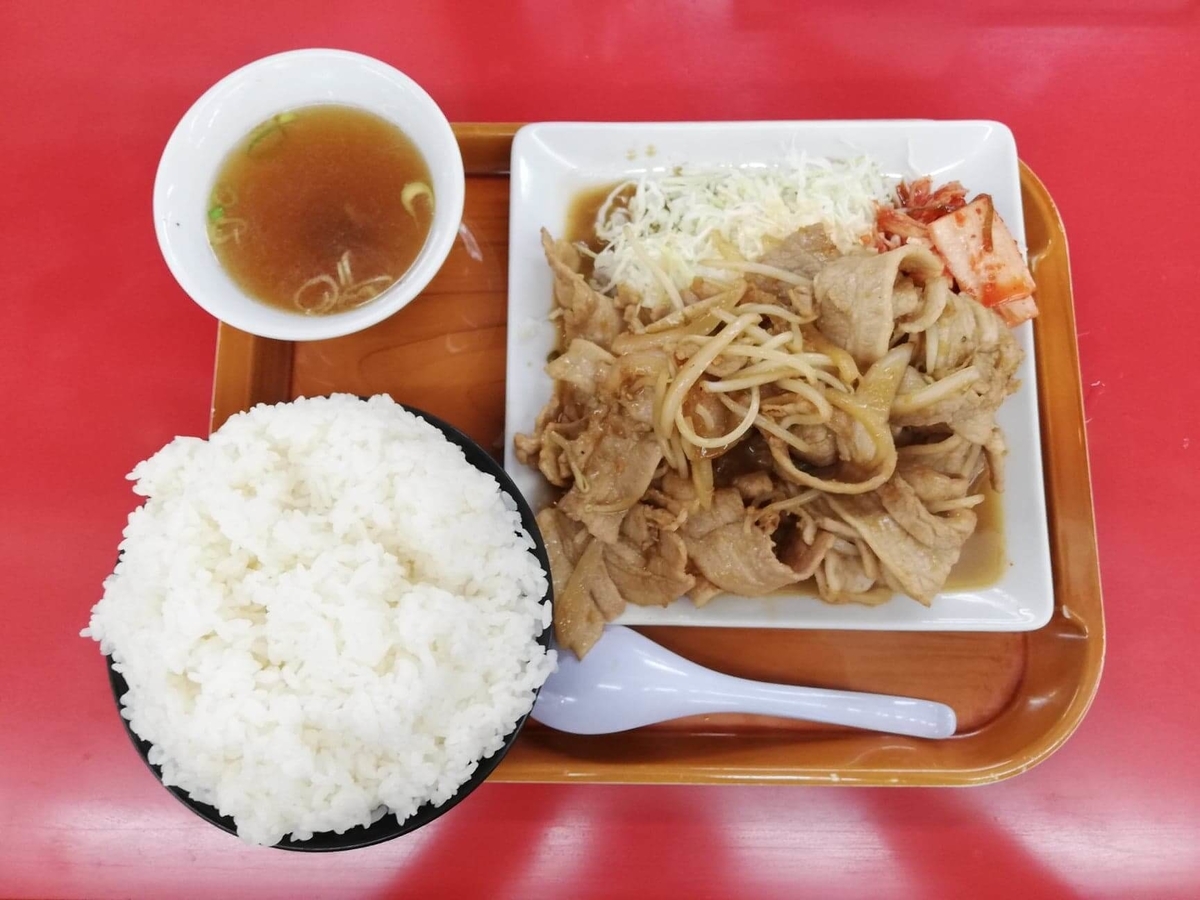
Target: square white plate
point(552, 162)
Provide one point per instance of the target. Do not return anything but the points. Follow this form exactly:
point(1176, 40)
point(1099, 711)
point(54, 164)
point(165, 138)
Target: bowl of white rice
point(328, 622)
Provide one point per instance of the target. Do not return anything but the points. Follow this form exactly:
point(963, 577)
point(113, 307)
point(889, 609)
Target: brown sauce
point(983, 558)
point(308, 212)
point(581, 219)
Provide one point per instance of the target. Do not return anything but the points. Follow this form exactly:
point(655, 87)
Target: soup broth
point(321, 209)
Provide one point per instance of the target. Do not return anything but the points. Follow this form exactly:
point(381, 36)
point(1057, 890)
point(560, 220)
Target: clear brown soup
point(983, 558)
point(320, 209)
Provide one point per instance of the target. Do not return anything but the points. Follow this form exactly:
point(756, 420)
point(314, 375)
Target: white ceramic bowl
point(254, 93)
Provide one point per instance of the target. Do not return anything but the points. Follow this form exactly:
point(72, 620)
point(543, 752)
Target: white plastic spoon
point(627, 681)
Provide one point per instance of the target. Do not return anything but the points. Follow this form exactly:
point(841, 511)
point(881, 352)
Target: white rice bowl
point(322, 610)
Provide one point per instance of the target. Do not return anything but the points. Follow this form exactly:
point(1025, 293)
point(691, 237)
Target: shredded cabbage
point(672, 222)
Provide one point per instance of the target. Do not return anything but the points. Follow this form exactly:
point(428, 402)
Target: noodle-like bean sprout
point(702, 480)
point(936, 392)
point(754, 268)
point(764, 424)
point(792, 505)
point(676, 443)
point(724, 440)
point(822, 408)
point(695, 367)
point(726, 385)
point(766, 309)
point(841, 529)
point(787, 469)
point(941, 506)
point(808, 532)
point(931, 348)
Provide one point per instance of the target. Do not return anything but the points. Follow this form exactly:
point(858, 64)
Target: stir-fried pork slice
point(805, 558)
point(754, 486)
point(547, 448)
point(616, 474)
point(529, 445)
point(564, 447)
point(584, 595)
point(998, 368)
point(593, 581)
point(638, 529)
point(959, 335)
point(702, 592)
point(845, 577)
point(851, 440)
point(820, 443)
point(726, 508)
point(918, 569)
point(855, 297)
point(906, 298)
point(953, 455)
point(584, 365)
point(874, 394)
point(588, 600)
point(977, 422)
point(630, 382)
point(966, 334)
point(931, 485)
point(949, 531)
point(653, 578)
point(586, 313)
point(565, 541)
point(929, 302)
point(604, 524)
point(996, 450)
point(709, 417)
point(643, 524)
point(970, 411)
point(803, 252)
point(740, 559)
point(958, 405)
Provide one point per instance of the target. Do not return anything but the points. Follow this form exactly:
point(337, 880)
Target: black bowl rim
point(386, 828)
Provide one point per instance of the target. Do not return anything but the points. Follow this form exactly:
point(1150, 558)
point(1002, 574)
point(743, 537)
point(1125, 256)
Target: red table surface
point(104, 359)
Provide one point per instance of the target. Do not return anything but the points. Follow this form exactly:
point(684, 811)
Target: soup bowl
point(228, 111)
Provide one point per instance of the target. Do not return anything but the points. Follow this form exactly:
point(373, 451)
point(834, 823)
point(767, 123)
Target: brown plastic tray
point(1017, 696)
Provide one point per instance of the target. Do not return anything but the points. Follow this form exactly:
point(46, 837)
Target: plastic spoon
point(627, 681)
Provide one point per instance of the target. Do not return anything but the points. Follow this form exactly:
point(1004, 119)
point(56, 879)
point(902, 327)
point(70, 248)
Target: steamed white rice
point(320, 611)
